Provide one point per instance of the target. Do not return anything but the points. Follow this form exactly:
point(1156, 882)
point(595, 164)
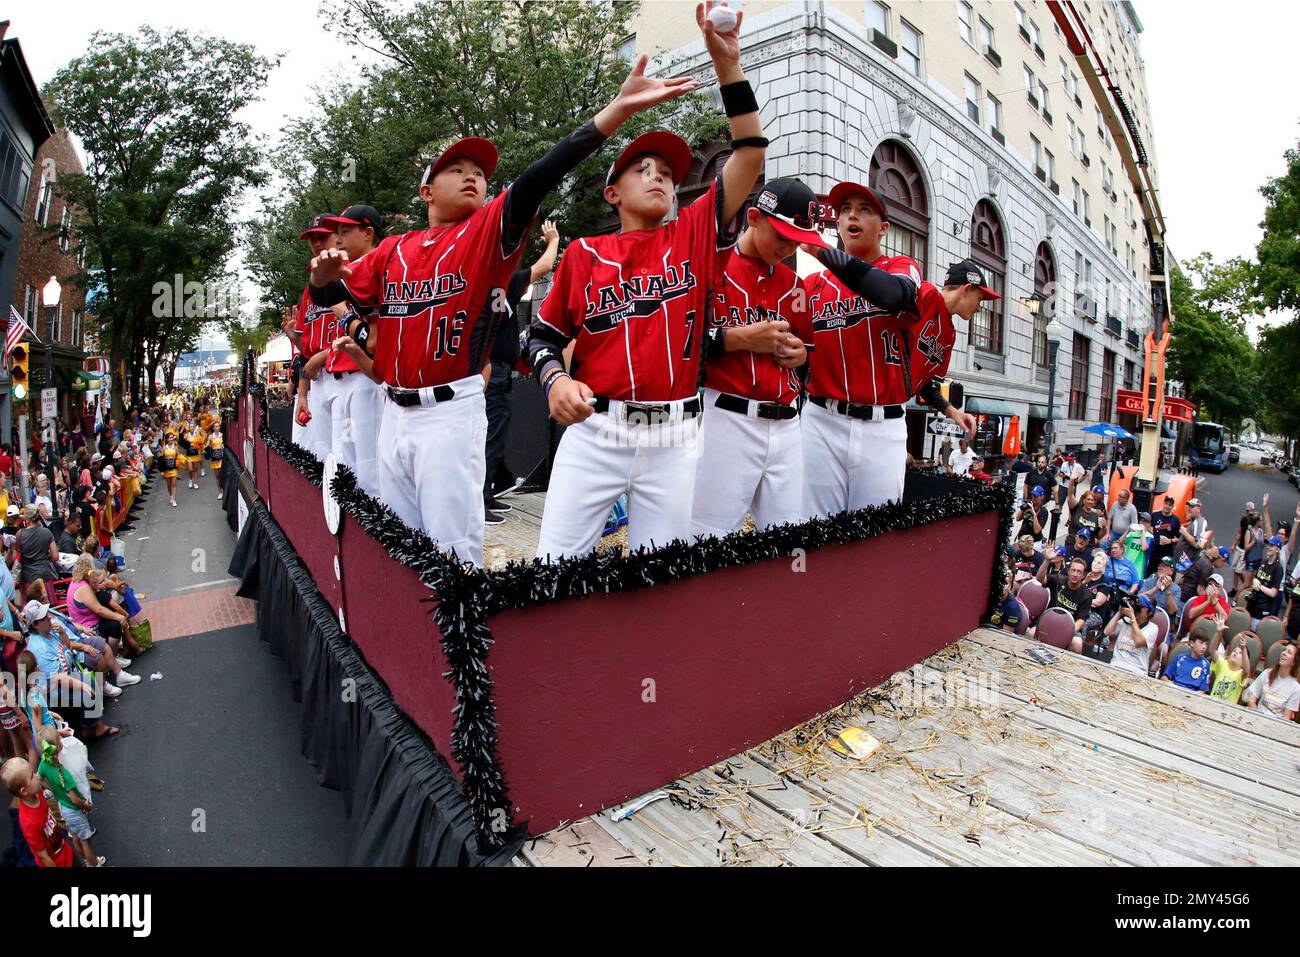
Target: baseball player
point(636, 303)
point(345, 398)
point(854, 426)
point(437, 295)
point(309, 320)
point(751, 456)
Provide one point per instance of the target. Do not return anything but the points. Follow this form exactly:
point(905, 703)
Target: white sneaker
point(101, 861)
point(124, 662)
point(111, 690)
point(173, 503)
point(125, 680)
point(218, 493)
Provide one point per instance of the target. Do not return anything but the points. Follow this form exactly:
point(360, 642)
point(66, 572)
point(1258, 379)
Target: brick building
point(50, 247)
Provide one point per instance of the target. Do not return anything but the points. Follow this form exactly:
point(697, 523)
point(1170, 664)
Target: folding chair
point(1055, 627)
point(1270, 632)
point(1024, 618)
point(1035, 598)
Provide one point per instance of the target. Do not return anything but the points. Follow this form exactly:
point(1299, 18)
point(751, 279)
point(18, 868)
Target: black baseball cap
point(791, 208)
point(320, 226)
point(360, 215)
point(968, 273)
point(481, 151)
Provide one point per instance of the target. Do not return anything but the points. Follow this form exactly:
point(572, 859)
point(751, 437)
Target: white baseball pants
point(431, 466)
point(746, 465)
point(602, 457)
point(353, 408)
point(851, 463)
point(315, 435)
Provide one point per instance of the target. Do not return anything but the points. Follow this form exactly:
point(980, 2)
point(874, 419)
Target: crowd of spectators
point(1156, 595)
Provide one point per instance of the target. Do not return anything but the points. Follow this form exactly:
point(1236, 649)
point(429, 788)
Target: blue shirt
point(6, 581)
point(51, 654)
point(1008, 613)
point(1191, 673)
point(1122, 572)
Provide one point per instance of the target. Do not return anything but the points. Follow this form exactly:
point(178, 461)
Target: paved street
point(1225, 496)
point(207, 770)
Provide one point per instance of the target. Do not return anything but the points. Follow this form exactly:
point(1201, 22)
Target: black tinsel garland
point(460, 610)
point(293, 453)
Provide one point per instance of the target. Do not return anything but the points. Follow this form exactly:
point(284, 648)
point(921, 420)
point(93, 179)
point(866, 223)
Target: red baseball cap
point(320, 226)
point(842, 191)
point(481, 151)
point(675, 151)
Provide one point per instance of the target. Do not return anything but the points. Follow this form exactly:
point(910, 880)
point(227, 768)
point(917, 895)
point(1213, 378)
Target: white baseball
point(723, 17)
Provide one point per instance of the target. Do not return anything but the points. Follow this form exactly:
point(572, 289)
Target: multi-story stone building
point(973, 122)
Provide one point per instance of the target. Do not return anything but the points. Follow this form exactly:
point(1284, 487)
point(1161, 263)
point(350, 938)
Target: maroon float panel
point(297, 508)
point(392, 626)
point(736, 656)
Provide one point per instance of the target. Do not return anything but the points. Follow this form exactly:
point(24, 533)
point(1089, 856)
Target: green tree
point(1278, 273)
point(1210, 352)
point(521, 74)
point(166, 162)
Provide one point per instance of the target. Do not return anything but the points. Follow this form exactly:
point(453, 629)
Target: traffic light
point(18, 373)
point(953, 392)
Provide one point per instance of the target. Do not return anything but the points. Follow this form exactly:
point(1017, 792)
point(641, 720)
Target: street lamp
point(50, 295)
point(1033, 303)
point(1055, 332)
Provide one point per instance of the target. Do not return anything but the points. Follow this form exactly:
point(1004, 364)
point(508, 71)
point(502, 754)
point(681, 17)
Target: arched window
point(1044, 292)
point(989, 249)
point(897, 179)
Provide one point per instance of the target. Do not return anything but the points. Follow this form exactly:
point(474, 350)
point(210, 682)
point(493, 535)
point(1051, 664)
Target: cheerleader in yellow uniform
point(216, 448)
point(172, 461)
point(194, 456)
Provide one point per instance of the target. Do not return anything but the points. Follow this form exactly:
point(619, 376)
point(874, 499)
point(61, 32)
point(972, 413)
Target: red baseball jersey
point(430, 288)
point(317, 324)
point(859, 354)
point(751, 291)
point(637, 303)
point(928, 337)
point(341, 361)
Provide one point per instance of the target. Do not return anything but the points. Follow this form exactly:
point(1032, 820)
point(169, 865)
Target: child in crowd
point(63, 785)
point(1191, 671)
point(35, 819)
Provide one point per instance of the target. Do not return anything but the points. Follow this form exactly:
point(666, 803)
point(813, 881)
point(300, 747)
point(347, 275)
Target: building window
point(995, 112)
point(986, 36)
point(14, 172)
point(973, 96)
point(43, 204)
point(1074, 196)
point(1021, 20)
point(878, 17)
point(896, 177)
point(1107, 385)
point(65, 222)
point(1049, 164)
point(1042, 96)
point(1130, 375)
point(1079, 377)
point(1030, 83)
point(76, 329)
point(989, 249)
point(1087, 209)
point(31, 299)
point(627, 49)
point(966, 22)
point(910, 47)
point(1036, 155)
point(1045, 291)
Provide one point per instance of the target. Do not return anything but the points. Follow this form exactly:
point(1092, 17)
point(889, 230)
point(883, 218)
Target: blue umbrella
point(1109, 431)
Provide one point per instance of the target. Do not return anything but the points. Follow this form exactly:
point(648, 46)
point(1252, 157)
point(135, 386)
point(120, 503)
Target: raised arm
point(546, 261)
point(880, 288)
point(740, 172)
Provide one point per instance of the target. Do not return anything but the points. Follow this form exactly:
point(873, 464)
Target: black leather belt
point(855, 410)
point(652, 413)
point(409, 397)
point(763, 410)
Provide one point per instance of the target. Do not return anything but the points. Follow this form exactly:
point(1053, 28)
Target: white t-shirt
point(1128, 655)
point(960, 461)
point(1276, 698)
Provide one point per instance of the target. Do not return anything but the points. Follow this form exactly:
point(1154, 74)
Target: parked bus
point(1210, 443)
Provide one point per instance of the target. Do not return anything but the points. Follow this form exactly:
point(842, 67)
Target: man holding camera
point(1032, 514)
point(1134, 634)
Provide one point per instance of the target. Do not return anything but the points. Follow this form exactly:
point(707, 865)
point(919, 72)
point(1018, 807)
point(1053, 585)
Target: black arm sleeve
point(929, 393)
point(545, 348)
point(889, 292)
point(328, 295)
point(715, 342)
point(528, 191)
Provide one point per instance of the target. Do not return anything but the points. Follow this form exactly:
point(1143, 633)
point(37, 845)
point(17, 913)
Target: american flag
point(16, 331)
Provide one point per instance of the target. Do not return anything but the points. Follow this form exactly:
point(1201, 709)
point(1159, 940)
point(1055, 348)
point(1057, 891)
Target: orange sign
point(1011, 442)
point(1176, 409)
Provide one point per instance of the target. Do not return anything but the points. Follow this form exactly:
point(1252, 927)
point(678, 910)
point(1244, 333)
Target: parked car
point(1234, 453)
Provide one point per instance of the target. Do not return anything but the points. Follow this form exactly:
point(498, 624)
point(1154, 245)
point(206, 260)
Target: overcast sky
point(1221, 83)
